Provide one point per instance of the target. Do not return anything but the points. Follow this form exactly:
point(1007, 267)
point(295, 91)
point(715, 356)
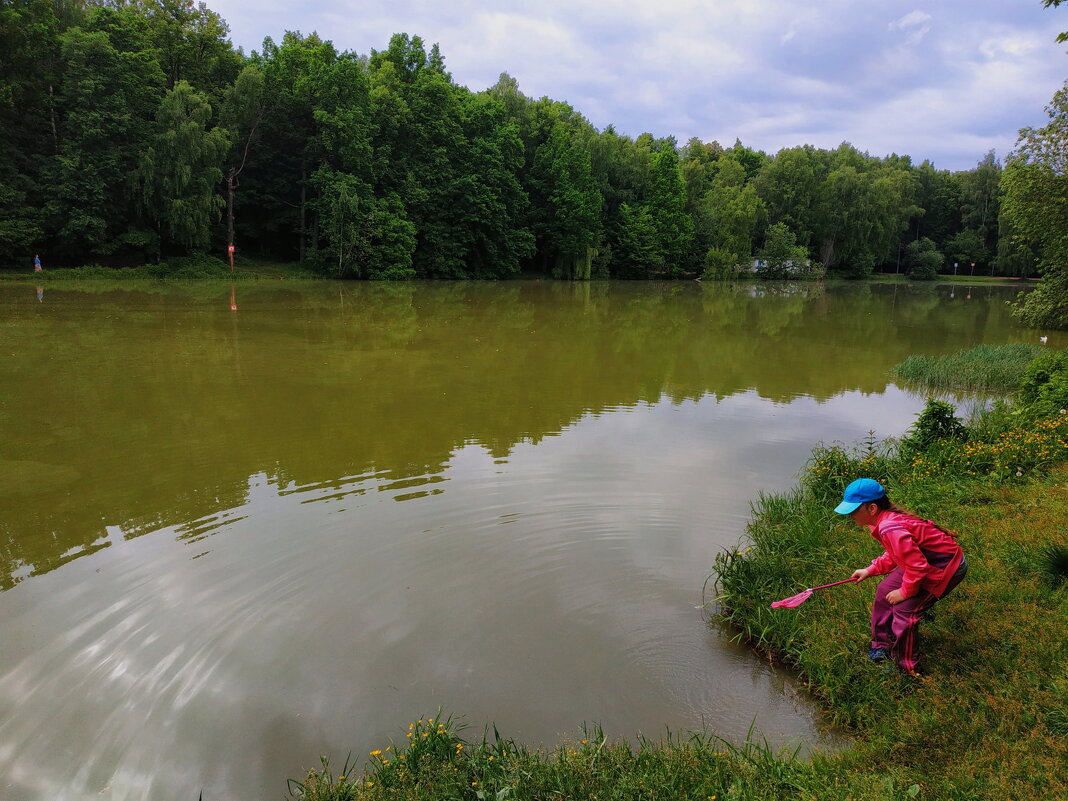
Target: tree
point(243, 110)
point(1036, 203)
point(938, 204)
point(30, 76)
point(192, 45)
point(667, 204)
point(181, 168)
point(790, 186)
point(979, 202)
point(1061, 37)
point(924, 260)
point(727, 218)
point(392, 240)
point(108, 97)
point(635, 250)
point(966, 247)
point(488, 205)
point(569, 227)
point(781, 256)
point(280, 170)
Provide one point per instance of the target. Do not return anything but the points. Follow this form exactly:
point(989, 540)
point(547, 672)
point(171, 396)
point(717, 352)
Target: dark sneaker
point(878, 654)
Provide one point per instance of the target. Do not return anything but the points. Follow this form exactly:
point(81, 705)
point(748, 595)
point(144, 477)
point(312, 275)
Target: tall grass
point(985, 368)
point(435, 762)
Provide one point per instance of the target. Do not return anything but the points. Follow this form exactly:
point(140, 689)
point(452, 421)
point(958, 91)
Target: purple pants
point(894, 626)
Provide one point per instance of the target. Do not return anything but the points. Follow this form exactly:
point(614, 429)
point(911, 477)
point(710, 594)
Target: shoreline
point(987, 720)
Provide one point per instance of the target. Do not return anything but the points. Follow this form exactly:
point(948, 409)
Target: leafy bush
point(924, 260)
point(720, 265)
point(198, 265)
point(781, 256)
point(858, 268)
point(937, 421)
point(1044, 386)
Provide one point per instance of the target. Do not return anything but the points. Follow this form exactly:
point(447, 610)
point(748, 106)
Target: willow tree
point(181, 169)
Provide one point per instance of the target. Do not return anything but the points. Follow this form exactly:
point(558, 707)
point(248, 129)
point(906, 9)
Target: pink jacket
point(903, 537)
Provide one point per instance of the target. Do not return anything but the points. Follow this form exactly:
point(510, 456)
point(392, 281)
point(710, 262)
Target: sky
point(946, 81)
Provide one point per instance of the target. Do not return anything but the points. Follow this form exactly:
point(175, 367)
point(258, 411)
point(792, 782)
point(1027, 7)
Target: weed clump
point(985, 368)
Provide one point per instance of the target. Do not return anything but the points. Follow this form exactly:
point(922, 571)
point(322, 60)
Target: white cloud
point(915, 36)
point(910, 19)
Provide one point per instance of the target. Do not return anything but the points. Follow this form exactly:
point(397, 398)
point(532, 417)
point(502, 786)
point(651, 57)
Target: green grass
point(198, 267)
point(435, 762)
point(985, 368)
point(973, 280)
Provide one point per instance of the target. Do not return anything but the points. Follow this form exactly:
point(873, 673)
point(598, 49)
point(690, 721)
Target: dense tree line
point(135, 131)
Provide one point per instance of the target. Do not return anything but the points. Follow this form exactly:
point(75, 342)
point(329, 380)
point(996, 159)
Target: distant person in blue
point(36, 263)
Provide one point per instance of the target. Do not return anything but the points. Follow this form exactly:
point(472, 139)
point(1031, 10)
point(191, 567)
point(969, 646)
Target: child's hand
point(860, 575)
point(894, 597)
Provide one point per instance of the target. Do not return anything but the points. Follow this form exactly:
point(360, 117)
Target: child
point(923, 561)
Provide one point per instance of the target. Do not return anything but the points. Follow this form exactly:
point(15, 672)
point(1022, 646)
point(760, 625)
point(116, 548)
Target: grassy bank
point(185, 268)
point(988, 720)
point(972, 280)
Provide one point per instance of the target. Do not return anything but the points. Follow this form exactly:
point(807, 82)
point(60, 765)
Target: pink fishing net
point(792, 601)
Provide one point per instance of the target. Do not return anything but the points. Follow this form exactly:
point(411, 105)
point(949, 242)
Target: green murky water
point(231, 541)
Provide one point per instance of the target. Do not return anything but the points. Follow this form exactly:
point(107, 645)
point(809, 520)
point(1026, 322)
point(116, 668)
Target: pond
point(232, 541)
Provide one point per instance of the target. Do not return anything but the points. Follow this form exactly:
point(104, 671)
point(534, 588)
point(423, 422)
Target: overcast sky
point(945, 80)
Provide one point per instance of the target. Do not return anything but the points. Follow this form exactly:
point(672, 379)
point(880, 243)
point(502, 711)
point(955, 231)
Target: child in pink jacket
point(922, 563)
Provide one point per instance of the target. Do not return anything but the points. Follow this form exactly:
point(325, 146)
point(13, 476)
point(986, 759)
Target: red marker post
point(230, 250)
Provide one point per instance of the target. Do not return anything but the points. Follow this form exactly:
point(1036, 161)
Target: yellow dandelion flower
point(376, 752)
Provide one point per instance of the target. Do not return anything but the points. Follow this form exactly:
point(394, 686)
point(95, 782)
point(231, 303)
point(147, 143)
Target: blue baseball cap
point(863, 490)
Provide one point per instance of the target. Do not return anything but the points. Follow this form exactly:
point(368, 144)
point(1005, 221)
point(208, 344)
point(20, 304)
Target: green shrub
point(720, 265)
point(1044, 386)
point(936, 422)
point(197, 265)
point(924, 260)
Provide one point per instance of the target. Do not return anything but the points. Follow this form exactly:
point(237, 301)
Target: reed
point(985, 368)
